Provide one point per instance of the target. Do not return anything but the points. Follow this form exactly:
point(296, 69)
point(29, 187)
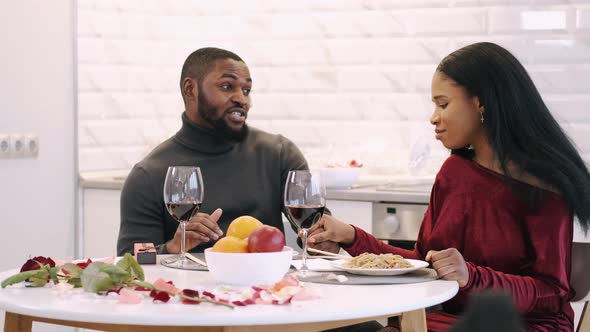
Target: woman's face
point(457, 116)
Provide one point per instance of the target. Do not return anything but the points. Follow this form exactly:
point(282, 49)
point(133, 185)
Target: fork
point(327, 253)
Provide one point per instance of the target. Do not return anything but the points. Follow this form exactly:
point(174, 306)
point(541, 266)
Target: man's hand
point(449, 265)
point(329, 233)
point(201, 228)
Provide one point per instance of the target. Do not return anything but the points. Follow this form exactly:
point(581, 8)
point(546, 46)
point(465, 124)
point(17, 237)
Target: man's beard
point(208, 113)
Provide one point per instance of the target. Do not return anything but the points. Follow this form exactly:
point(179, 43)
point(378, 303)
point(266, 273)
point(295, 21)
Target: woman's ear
point(478, 104)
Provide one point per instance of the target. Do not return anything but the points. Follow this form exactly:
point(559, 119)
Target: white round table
point(339, 305)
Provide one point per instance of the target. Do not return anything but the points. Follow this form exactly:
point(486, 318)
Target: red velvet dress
point(506, 243)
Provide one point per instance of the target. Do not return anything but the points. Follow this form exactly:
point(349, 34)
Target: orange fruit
point(241, 227)
point(230, 244)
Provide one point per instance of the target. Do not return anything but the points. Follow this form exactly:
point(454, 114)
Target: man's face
point(224, 98)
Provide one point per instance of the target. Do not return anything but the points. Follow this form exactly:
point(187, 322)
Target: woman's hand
point(329, 233)
point(449, 265)
point(329, 246)
point(201, 228)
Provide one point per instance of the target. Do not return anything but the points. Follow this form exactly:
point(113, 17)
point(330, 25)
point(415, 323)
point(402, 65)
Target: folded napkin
point(316, 264)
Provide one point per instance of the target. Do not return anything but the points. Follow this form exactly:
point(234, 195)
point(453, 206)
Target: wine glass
point(183, 196)
point(305, 201)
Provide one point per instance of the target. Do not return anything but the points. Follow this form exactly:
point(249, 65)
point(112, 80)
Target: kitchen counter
point(369, 190)
point(375, 193)
point(111, 179)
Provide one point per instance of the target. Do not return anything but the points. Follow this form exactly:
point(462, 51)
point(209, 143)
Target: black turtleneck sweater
point(242, 178)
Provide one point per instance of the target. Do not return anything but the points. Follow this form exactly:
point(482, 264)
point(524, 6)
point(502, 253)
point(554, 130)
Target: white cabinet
point(357, 213)
point(100, 222)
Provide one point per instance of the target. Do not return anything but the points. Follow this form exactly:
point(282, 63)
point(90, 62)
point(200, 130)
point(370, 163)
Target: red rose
point(35, 263)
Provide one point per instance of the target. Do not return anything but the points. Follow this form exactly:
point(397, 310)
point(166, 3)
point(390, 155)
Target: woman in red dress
point(502, 206)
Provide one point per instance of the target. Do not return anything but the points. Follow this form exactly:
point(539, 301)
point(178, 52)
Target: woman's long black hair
point(521, 129)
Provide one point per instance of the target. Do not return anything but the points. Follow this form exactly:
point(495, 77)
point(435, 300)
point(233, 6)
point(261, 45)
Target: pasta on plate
point(381, 261)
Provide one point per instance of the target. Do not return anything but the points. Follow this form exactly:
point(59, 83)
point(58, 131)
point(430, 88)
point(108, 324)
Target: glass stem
point(182, 246)
point(304, 256)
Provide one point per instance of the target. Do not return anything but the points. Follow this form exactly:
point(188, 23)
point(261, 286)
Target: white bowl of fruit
point(341, 176)
point(250, 254)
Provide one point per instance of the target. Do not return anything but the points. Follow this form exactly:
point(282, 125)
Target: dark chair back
point(580, 281)
point(580, 277)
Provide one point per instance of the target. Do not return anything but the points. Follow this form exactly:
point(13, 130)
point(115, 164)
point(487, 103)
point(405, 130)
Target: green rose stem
point(199, 299)
point(97, 277)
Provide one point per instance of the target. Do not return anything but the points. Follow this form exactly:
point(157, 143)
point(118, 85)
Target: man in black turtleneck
point(243, 168)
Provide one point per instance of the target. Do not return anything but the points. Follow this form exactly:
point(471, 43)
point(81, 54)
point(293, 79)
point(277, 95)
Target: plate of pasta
point(379, 265)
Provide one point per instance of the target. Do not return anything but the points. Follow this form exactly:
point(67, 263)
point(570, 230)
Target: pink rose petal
point(288, 280)
point(128, 296)
point(166, 286)
point(306, 294)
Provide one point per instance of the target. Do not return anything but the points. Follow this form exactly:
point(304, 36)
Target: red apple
point(266, 238)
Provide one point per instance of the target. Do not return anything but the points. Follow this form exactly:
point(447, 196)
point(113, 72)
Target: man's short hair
point(198, 63)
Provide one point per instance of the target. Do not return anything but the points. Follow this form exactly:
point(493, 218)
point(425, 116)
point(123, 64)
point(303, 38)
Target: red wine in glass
point(305, 216)
point(183, 211)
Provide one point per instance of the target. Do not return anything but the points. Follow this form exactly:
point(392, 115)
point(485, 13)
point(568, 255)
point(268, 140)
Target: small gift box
point(145, 253)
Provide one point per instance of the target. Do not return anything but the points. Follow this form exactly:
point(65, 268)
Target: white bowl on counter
point(248, 269)
point(340, 177)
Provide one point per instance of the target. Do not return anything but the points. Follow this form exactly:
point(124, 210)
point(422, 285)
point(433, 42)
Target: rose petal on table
point(288, 280)
point(160, 296)
point(308, 293)
point(166, 286)
point(288, 291)
point(128, 296)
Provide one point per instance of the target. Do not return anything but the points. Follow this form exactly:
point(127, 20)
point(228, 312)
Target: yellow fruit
point(242, 226)
point(230, 244)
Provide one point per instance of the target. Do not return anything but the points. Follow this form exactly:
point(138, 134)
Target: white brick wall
point(342, 78)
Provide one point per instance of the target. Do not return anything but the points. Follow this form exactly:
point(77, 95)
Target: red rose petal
point(239, 303)
point(84, 265)
point(160, 296)
point(187, 301)
point(190, 293)
point(209, 295)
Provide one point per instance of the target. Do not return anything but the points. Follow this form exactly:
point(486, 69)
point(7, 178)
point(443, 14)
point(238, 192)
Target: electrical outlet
point(17, 145)
point(4, 146)
point(31, 145)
